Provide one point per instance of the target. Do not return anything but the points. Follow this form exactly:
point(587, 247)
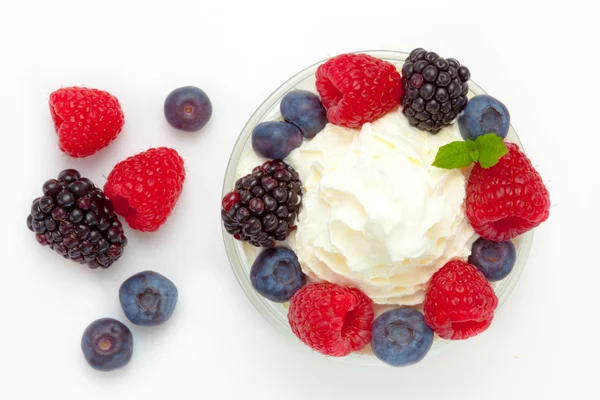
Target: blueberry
point(276, 274)
point(148, 298)
point(484, 114)
point(305, 110)
point(107, 344)
point(275, 139)
point(188, 108)
point(494, 259)
point(401, 337)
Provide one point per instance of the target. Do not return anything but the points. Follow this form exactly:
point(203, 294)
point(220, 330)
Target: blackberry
point(76, 220)
point(435, 90)
point(264, 206)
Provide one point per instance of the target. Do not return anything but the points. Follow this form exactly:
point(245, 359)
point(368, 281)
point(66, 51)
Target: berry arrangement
point(79, 221)
point(505, 197)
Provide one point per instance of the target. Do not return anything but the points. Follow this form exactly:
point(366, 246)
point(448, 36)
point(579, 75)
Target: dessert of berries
point(388, 206)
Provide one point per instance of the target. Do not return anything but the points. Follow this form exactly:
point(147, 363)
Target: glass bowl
point(241, 263)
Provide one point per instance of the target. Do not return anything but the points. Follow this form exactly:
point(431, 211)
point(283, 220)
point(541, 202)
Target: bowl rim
point(233, 247)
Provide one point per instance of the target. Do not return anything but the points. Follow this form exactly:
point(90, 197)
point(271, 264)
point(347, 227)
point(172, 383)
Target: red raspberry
point(331, 319)
point(459, 302)
point(358, 88)
point(86, 120)
point(144, 188)
point(507, 199)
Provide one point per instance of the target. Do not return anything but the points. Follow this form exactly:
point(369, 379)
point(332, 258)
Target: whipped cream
point(376, 215)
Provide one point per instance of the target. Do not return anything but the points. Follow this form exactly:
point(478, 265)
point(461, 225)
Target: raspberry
point(86, 120)
point(459, 302)
point(507, 199)
point(145, 187)
point(331, 319)
point(358, 88)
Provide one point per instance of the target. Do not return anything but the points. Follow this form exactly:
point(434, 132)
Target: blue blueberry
point(188, 108)
point(107, 344)
point(401, 337)
point(276, 274)
point(494, 259)
point(275, 139)
point(484, 114)
point(305, 110)
point(148, 298)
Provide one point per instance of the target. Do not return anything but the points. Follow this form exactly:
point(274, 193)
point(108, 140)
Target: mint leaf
point(473, 149)
point(471, 145)
point(491, 149)
point(474, 154)
point(453, 155)
point(486, 149)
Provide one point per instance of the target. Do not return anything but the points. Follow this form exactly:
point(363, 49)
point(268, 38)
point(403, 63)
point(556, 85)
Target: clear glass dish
point(276, 313)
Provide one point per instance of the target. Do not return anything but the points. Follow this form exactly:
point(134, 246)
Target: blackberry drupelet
point(77, 221)
point(435, 90)
point(264, 206)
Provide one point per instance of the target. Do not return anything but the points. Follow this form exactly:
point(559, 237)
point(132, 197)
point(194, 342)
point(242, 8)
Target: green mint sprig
point(487, 150)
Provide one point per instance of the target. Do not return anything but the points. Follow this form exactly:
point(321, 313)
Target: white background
point(538, 58)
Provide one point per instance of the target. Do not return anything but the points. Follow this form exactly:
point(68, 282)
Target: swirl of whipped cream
point(376, 215)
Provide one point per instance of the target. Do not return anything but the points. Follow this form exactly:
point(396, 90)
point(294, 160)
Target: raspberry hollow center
point(338, 95)
point(466, 329)
point(334, 96)
point(57, 119)
point(511, 223)
point(349, 324)
point(123, 207)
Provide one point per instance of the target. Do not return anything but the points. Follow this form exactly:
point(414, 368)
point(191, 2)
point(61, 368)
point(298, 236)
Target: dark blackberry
point(435, 90)
point(77, 221)
point(264, 206)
